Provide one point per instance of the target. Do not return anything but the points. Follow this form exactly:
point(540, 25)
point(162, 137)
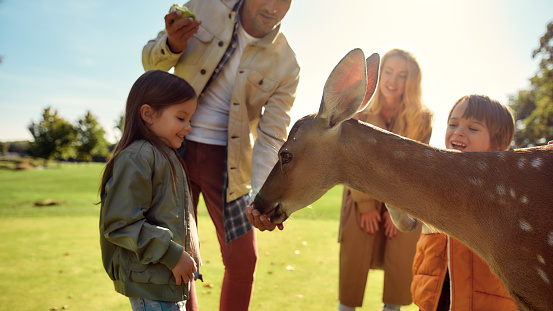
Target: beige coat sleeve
point(156, 54)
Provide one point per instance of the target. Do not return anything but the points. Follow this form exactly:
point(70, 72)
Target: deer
point(499, 204)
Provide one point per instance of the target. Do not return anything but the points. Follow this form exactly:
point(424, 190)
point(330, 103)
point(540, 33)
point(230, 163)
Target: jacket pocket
point(258, 90)
point(261, 82)
point(154, 273)
point(197, 47)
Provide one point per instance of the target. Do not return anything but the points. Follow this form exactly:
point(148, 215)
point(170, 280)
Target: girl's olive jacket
point(143, 223)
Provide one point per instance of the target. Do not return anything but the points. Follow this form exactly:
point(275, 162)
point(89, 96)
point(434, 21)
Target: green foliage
point(4, 147)
point(53, 136)
point(21, 147)
point(120, 124)
point(90, 138)
point(534, 107)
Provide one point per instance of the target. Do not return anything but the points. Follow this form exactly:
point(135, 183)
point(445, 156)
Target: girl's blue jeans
point(141, 304)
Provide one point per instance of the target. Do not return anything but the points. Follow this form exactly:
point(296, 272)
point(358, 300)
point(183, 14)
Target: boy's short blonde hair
point(497, 117)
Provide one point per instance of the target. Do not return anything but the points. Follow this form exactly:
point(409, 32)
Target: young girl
point(447, 274)
point(147, 227)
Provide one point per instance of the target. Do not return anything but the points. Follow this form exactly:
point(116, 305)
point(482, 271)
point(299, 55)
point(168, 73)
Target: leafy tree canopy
point(534, 107)
point(53, 136)
point(90, 138)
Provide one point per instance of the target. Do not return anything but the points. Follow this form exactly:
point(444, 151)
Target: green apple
point(185, 11)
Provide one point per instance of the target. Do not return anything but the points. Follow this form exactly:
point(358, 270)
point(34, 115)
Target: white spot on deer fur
point(540, 259)
point(542, 275)
point(524, 225)
point(512, 192)
point(521, 163)
point(550, 238)
point(501, 156)
point(524, 249)
point(536, 163)
point(481, 164)
point(523, 199)
point(371, 139)
point(428, 152)
point(476, 181)
point(399, 154)
point(501, 190)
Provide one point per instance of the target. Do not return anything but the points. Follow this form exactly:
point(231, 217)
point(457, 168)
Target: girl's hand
point(184, 269)
point(389, 227)
point(369, 221)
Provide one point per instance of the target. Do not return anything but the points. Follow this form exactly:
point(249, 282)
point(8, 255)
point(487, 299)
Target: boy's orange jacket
point(473, 285)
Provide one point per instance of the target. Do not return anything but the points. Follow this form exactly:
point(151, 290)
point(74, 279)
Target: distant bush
point(16, 162)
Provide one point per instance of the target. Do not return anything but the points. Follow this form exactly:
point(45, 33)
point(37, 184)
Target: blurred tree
point(534, 107)
point(20, 147)
point(91, 139)
point(120, 125)
point(4, 147)
point(53, 137)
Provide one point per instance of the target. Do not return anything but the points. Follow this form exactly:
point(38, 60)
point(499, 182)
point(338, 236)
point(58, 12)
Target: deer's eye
point(285, 157)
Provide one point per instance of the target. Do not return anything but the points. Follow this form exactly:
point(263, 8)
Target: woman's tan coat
point(360, 252)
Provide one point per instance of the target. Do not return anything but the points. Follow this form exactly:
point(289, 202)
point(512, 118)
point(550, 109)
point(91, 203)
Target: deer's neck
point(449, 190)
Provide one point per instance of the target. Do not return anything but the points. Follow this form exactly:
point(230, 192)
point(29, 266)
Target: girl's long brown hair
point(159, 90)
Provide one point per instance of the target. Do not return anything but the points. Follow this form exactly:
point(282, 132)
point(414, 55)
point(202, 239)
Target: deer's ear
point(344, 90)
point(373, 64)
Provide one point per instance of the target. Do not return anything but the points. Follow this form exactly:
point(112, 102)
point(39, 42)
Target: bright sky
point(77, 56)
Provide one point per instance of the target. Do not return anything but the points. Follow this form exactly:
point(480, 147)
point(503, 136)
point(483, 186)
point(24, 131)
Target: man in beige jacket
point(246, 76)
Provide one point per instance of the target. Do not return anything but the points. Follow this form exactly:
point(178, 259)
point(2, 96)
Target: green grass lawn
point(51, 258)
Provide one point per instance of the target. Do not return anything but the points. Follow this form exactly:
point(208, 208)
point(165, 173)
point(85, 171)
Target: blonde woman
point(368, 238)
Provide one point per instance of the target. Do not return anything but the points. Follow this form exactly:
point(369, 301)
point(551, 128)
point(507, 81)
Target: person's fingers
point(267, 224)
point(374, 226)
point(260, 221)
point(249, 214)
point(178, 280)
point(388, 231)
point(364, 224)
point(254, 217)
point(171, 17)
point(392, 232)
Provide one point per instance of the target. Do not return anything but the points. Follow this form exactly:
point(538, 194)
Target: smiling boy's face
point(466, 134)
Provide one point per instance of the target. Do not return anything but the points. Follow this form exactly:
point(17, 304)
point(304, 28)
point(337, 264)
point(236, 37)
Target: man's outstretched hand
point(261, 222)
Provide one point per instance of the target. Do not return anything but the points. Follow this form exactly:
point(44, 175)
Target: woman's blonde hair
point(412, 113)
point(497, 117)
